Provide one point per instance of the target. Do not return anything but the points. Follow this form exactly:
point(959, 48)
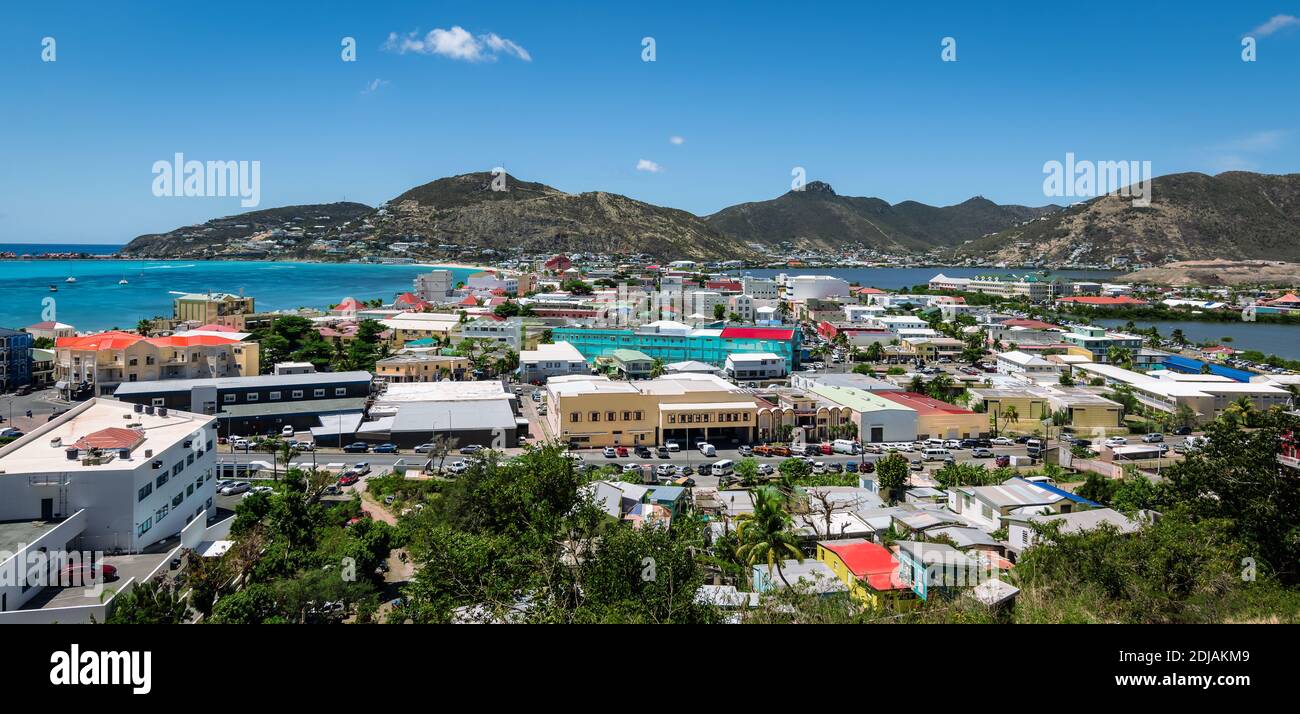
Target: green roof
point(625, 355)
point(859, 400)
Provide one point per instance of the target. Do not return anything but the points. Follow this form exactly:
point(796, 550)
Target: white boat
point(122, 281)
point(70, 280)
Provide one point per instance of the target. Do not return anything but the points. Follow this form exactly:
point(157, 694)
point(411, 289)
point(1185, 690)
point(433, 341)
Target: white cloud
point(375, 85)
point(456, 43)
point(676, 140)
point(649, 166)
point(1274, 24)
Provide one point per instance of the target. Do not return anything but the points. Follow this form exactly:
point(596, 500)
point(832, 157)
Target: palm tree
point(1010, 415)
point(765, 534)
point(1121, 356)
point(144, 327)
point(657, 369)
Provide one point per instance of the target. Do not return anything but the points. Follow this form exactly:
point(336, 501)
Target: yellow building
point(103, 361)
point(868, 569)
point(1029, 407)
point(422, 368)
point(212, 309)
point(595, 411)
point(937, 419)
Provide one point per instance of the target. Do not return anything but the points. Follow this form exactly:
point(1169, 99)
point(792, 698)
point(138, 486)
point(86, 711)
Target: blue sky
point(557, 92)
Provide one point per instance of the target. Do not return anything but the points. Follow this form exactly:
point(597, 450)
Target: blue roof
point(667, 493)
point(1066, 494)
point(1187, 365)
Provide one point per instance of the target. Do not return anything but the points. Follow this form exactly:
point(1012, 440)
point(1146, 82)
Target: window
point(340, 391)
point(251, 397)
point(180, 466)
point(189, 459)
point(637, 416)
point(574, 417)
point(144, 526)
point(158, 401)
point(274, 396)
point(209, 445)
point(144, 492)
point(672, 418)
point(161, 480)
point(176, 500)
point(297, 394)
point(610, 416)
point(318, 392)
point(162, 512)
point(199, 483)
point(228, 398)
point(189, 490)
point(594, 416)
point(627, 416)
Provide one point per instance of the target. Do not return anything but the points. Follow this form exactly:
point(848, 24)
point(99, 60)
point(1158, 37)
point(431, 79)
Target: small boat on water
point(122, 281)
point(70, 280)
point(54, 288)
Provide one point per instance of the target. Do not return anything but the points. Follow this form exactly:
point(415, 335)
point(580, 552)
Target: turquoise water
point(1280, 340)
point(96, 301)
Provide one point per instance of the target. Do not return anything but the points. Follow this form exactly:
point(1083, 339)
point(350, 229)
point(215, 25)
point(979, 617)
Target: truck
point(845, 446)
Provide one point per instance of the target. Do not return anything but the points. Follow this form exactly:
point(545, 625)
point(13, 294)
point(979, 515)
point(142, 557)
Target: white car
point(287, 431)
point(819, 467)
point(631, 468)
point(1116, 441)
point(235, 488)
point(457, 467)
point(1002, 441)
point(259, 489)
point(665, 470)
point(423, 448)
point(609, 452)
point(765, 469)
point(874, 448)
point(672, 445)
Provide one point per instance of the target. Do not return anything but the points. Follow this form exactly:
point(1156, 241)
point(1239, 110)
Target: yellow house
point(868, 569)
point(1029, 407)
point(421, 368)
point(213, 309)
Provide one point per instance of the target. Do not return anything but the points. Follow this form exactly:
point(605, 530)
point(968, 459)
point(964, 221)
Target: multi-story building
point(422, 367)
point(1007, 287)
point(943, 282)
point(507, 332)
point(96, 364)
point(15, 359)
point(258, 404)
point(435, 286)
point(594, 411)
point(758, 365)
point(213, 309)
point(1095, 342)
point(1203, 396)
point(758, 288)
point(805, 287)
point(42, 368)
point(676, 342)
point(50, 330)
point(1031, 367)
point(137, 475)
point(551, 360)
point(408, 326)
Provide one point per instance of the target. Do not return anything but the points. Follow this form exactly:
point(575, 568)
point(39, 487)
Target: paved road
point(14, 408)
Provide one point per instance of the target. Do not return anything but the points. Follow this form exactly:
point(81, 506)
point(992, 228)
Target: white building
point(507, 332)
point(901, 322)
point(943, 282)
point(807, 287)
point(862, 313)
point(1032, 367)
point(434, 286)
point(551, 360)
point(140, 476)
point(758, 288)
point(1206, 395)
point(755, 365)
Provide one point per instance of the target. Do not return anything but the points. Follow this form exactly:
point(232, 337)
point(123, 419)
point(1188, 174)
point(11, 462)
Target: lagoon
point(1280, 340)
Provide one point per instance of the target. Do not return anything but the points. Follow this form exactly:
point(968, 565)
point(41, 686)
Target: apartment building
point(551, 360)
point(758, 365)
point(1095, 342)
point(15, 359)
point(422, 367)
point(94, 365)
point(434, 286)
point(1031, 367)
point(1029, 286)
point(1205, 395)
point(758, 288)
point(222, 309)
point(507, 332)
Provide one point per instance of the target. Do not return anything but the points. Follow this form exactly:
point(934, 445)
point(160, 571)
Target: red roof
point(184, 340)
point(922, 404)
point(349, 303)
point(866, 291)
point(1096, 300)
point(114, 437)
point(114, 340)
point(869, 561)
point(757, 333)
point(1288, 298)
point(469, 300)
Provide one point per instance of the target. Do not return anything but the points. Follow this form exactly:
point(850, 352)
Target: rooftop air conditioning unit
point(162, 411)
point(148, 453)
point(56, 441)
point(157, 464)
point(139, 408)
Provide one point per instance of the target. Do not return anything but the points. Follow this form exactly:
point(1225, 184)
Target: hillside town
point(808, 437)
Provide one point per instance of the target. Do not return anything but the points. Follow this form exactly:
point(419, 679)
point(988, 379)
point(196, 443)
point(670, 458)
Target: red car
point(622, 451)
point(78, 573)
point(349, 480)
point(826, 448)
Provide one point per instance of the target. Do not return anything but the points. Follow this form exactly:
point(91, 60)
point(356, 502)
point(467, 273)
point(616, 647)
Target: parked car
point(357, 447)
point(662, 452)
point(471, 449)
point(621, 450)
point(917, 465)
point(1153, 438)
point(766, 469)
point(1002, 460)
point(386, 449)
point(630, 468)
point(457, 467)
point(287, 431)
point(1002, 441)
point(672, 445)
point(303, 445)
point(685, 470)
point(1183, 430)
point(79, 573)
point(665, 470)
point(609, 452)
point(235, 488)
point(423, 449)
point(867, 467)
point(745, 451)
point(1116, 441)
point(851, 467)
point(643, 452)
point(360, 468)
point(348, 479)
point(980, 452)
point(259, 489)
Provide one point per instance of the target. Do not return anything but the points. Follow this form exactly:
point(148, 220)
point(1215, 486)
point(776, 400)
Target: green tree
point(891, 476)
point(151, 602)
point(764, 534)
